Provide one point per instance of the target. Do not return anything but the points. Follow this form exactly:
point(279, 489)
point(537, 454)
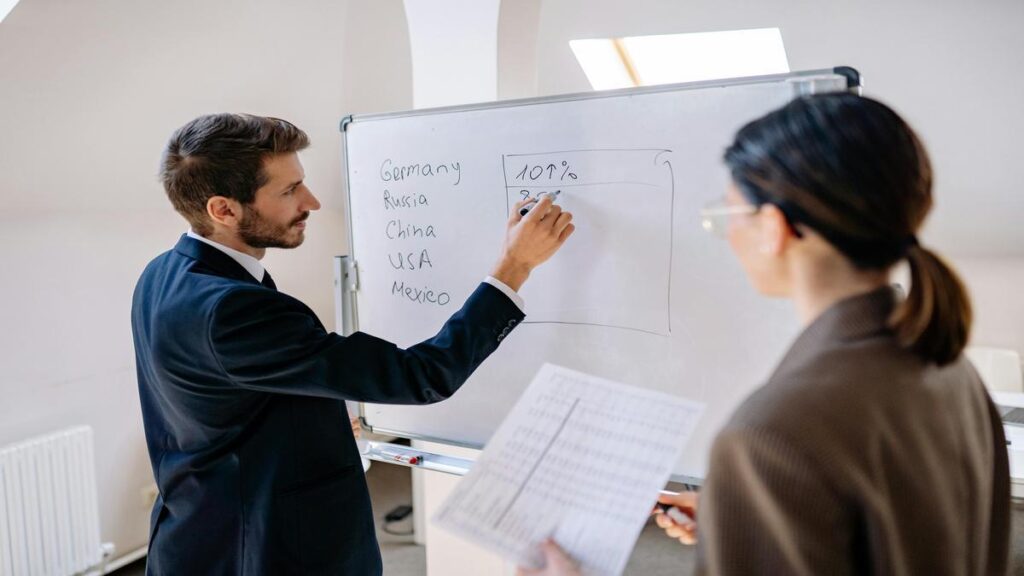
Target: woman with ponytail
point(873, 448)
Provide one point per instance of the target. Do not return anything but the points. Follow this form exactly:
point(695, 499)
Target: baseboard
point(127, 559)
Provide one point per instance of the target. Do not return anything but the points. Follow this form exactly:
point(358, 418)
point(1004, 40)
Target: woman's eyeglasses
point(715, 216)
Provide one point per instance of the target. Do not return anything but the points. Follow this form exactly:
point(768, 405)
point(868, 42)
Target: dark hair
point(222, 155)
point(852, 170)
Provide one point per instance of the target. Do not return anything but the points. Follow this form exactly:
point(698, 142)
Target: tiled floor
point(654, 555)
point(390, 486)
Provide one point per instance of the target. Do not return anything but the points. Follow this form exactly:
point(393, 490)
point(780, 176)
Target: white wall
point(90, 91)
point(949, 66)
point(996, 285)
point(378, 59)
point(946, 65)
point(89, 94)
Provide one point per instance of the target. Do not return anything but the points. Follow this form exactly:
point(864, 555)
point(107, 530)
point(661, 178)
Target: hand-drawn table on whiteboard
point(640, 294)
point(629, 186)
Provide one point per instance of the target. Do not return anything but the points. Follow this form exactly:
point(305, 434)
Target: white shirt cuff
point(512, 295)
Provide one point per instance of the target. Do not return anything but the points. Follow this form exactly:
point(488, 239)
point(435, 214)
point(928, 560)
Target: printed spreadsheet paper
point(580, 459)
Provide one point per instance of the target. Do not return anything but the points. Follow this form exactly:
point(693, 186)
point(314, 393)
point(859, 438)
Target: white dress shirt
point(251, 264)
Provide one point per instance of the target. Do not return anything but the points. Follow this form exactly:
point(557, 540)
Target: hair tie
point(910, 243)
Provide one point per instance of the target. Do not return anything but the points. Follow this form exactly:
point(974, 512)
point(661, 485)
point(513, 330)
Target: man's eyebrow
point(293, 184)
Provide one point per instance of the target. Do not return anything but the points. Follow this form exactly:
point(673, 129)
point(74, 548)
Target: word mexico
point(420, 295)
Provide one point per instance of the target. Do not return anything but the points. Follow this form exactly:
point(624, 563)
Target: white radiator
point(49, 520)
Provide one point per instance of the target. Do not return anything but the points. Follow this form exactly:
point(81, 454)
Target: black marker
point(525, 209)
point(678, 515)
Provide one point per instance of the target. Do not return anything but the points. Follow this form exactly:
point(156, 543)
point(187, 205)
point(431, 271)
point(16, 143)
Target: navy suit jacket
point(242, 393)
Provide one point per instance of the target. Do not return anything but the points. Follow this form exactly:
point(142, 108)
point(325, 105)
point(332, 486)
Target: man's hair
point(222, 155)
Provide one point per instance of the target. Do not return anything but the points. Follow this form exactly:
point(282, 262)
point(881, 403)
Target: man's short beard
point(258, 232)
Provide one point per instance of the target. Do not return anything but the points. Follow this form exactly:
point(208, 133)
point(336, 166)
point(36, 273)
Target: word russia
point(404, 200)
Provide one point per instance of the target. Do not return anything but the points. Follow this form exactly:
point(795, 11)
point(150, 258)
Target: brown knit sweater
point(858, 458)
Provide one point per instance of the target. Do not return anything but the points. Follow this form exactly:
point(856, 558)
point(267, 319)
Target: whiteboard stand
point(346, 284)
point(426, 460)
point(448, 155)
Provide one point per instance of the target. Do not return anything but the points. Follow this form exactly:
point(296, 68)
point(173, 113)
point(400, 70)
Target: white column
point(454, 47)
point(518, 24)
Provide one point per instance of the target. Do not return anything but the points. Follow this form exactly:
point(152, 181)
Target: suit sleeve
point(765, 509)
point(270, 342)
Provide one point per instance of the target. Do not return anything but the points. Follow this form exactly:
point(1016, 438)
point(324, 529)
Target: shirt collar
point(251, 265)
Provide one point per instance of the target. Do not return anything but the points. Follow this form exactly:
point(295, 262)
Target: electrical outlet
point(149, 494)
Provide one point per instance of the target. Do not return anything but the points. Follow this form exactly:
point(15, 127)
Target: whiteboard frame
point(806, 78)
point(346, 267)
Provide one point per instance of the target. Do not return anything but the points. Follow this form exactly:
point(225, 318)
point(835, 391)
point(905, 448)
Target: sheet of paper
point(579, 459)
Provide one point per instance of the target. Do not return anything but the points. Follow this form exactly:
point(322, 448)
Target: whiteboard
point(640, 294)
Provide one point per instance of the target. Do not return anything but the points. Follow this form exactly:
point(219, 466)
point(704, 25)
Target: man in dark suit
point(242, 387)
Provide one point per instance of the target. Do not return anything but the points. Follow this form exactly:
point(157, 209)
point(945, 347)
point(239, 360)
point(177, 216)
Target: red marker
point(407, 459)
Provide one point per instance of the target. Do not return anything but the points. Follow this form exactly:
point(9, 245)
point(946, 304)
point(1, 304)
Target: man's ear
point(775, 230)
point(224, 211)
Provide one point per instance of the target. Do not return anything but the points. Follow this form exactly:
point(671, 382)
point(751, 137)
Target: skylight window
point(5, 8)
point(666, 59)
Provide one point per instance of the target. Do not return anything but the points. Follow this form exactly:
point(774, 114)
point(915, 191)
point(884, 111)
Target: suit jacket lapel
point(213, 260)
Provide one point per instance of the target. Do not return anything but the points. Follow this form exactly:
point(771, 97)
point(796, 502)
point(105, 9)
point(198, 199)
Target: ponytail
point(934, 321)
point(852, 170)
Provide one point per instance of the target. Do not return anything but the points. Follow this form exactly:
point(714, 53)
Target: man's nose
point(311, 202)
